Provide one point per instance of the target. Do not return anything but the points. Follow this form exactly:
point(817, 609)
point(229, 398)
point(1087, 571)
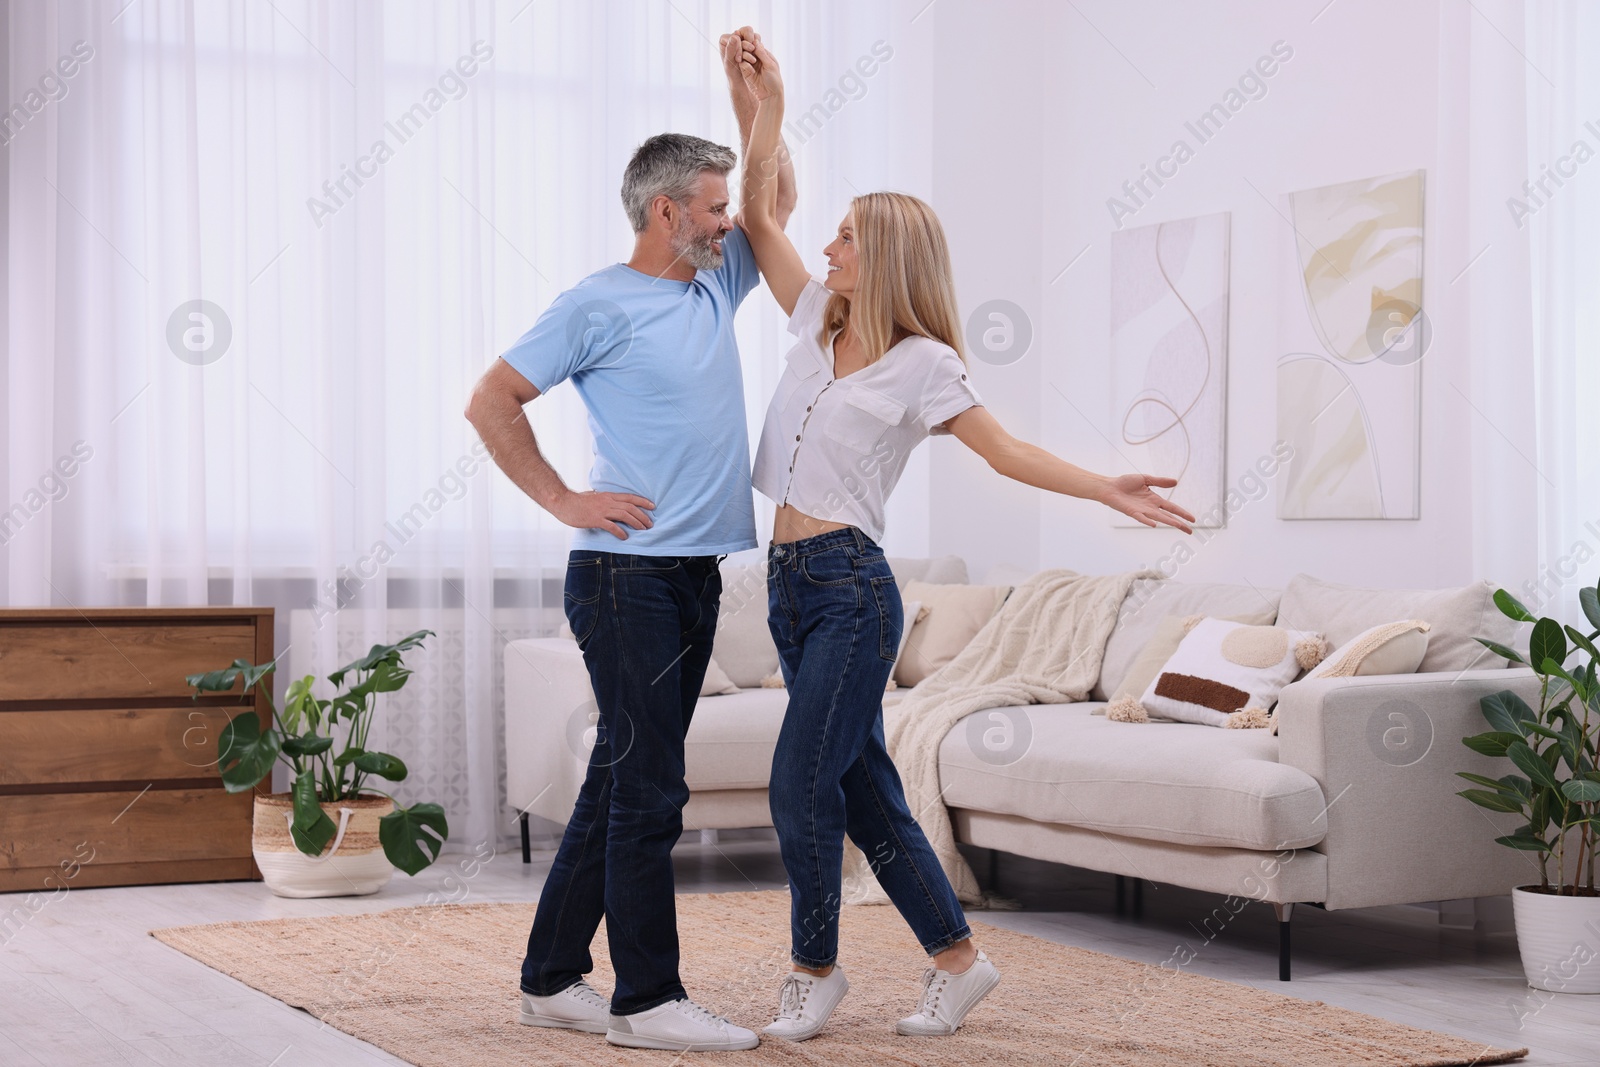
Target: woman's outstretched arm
point(776, 256)
point(1132, 494)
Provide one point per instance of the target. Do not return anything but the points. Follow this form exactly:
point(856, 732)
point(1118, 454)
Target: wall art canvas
point(1169, 357)
point(1353, 332)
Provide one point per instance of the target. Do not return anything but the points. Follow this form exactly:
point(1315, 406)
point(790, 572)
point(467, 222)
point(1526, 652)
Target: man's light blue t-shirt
point(657, 366)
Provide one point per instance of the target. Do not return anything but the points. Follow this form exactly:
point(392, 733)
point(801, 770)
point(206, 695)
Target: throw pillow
point(1163, 643)
point(955, 614)
point(717, 682)
point(1389, 648)
point(743, 643)
point(1227, 674)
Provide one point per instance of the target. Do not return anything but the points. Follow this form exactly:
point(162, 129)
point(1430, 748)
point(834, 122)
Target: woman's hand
point(1134, 495)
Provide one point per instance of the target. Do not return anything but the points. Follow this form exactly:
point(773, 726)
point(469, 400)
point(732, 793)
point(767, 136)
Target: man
point(649, 345)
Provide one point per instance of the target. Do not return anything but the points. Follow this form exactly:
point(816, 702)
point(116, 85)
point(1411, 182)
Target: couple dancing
point(877, 366)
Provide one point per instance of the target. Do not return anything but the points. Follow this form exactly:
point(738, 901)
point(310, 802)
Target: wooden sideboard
point(108, 770)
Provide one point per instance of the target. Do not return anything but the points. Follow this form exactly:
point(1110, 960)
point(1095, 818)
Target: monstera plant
point(1554, 788)
point(324, 744)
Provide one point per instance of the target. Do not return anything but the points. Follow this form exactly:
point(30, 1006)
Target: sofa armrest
point(1386, 749)
point(549, 729)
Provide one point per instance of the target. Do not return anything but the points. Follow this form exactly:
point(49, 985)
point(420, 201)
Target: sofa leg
point(527, 851)
point(1285, 912)
point(994, 868)
point(1122, 896)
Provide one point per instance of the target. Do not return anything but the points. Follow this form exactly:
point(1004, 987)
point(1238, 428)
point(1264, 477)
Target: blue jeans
point(644, 624)
point(835, 613)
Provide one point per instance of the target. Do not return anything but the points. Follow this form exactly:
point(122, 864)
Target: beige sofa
point(1351, 804)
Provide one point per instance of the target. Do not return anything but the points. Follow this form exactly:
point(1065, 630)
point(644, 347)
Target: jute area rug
point(437, 985)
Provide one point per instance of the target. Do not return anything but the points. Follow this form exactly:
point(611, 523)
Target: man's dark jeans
point(645, 625)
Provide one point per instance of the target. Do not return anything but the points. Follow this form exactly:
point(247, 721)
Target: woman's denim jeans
point(835, 613)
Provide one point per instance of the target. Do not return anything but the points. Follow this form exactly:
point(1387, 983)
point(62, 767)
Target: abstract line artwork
point(1352, 334)
point(1169, 356)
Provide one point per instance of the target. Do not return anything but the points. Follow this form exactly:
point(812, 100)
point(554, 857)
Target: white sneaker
point(804, 1003)
point(577, 1007)
point(679, 1026)
point(946, 998)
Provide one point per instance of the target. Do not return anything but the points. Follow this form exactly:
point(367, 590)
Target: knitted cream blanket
point(1043, 646)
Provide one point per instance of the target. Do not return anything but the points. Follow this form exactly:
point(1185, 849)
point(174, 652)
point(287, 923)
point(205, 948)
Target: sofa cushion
point(1159, 781)
point(952, 616)
point(731, 739)
point(1456, 616)
point(1150, 600)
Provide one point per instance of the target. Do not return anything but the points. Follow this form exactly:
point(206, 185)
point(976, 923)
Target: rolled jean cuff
point(815, 965)
point(556, 988)
point(933, 948)
point(655, 1002)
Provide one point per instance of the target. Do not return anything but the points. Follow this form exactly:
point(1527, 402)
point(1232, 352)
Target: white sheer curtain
point(372, 200)
point(1563, 41)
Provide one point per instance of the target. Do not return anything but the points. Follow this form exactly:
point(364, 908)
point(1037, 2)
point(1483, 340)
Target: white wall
point(1041, 112)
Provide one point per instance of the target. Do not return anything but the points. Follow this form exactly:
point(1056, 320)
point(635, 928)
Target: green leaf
point(1506, 712)
point(311, 829)
point(225, 679)
point(1493, 801)
point(1581, 790)
point(1511, 607)
point(307, 744)
point(380, 654)
point(1525, 841)
point(245, 753)
point(403, 839)
point(1530, 764)
point(295, 699)
point(382, 764)
point(1491, 744)
point(1517, 784)
point(347, 756)
point(1492, 783)
point(1583, 642)
point(1546, 642)
point(1590, 601)
point(1501, 650)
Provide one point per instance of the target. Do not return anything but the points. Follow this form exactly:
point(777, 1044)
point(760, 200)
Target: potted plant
point(333, 833)
point(1556, 789)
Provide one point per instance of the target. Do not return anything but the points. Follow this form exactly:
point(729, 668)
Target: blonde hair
point(903, 277)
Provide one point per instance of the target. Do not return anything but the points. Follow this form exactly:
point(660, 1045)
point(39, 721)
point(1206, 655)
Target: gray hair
point(668, 164)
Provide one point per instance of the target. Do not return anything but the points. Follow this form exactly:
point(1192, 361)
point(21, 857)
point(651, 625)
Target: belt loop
point(861, 540)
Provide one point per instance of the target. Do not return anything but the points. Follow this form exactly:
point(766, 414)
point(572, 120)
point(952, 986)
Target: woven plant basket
point(353, 863)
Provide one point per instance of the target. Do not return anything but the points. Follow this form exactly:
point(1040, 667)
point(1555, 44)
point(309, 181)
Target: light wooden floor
point(81, 982)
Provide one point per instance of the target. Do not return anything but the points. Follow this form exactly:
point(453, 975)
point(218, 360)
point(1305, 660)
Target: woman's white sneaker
point(804, 1003)
point(679, 1026)
point(577, 1007)
point(946, 998)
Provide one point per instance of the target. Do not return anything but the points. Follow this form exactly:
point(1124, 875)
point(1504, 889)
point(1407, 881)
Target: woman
point(877, 368)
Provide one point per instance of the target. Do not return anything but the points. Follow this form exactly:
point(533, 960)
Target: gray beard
point(699, 254)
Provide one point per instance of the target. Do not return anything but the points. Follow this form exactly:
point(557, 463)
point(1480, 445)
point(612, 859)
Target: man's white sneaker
point(577, 1007)
point(946, 998)
point(679, 1026)
point(804, 1003)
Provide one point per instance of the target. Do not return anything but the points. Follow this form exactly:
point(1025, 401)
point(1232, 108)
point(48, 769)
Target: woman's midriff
point(791, 524)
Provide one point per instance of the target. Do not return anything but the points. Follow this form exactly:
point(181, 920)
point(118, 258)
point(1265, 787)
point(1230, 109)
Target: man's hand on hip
point(604, 511)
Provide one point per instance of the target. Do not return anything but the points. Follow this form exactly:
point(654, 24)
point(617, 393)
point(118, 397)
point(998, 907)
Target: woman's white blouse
point(835, 447)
